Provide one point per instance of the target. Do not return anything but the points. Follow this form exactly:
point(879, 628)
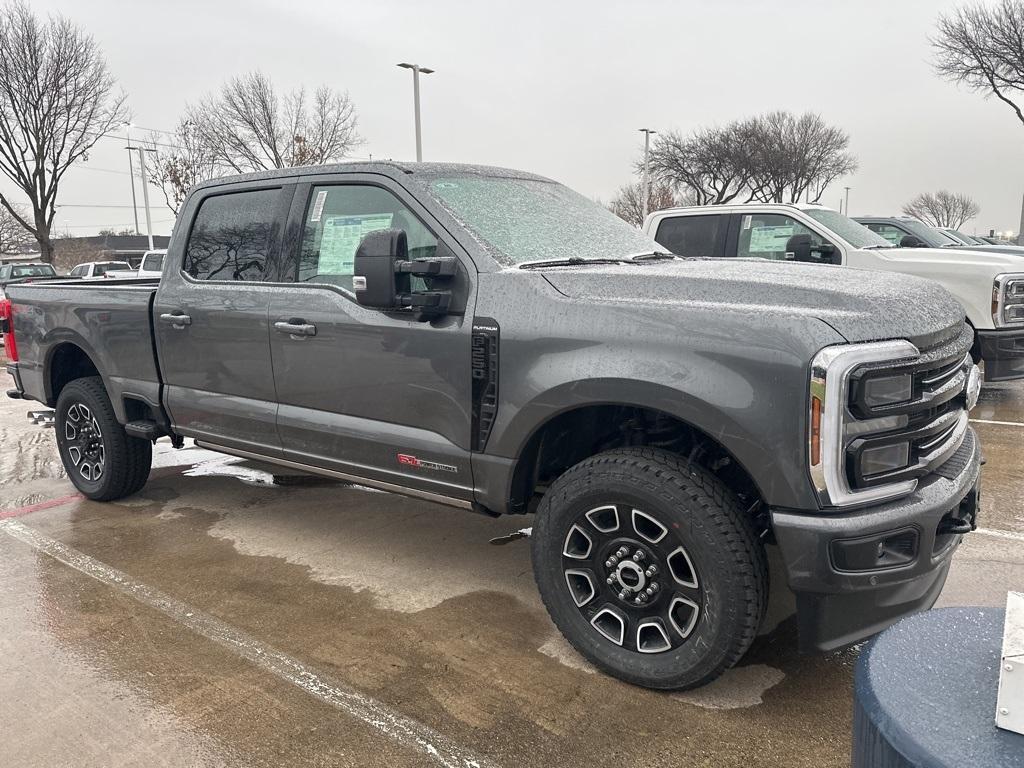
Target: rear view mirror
point(373, 277)
point(912, 241)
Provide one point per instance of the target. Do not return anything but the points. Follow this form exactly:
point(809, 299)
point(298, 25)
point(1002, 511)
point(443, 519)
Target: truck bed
point(110, 320)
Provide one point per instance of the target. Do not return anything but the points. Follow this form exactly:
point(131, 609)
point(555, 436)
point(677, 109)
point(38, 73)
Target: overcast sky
point(561, 88)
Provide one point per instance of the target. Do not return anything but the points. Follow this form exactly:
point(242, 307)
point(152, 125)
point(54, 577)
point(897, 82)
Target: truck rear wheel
point(649, 568)
point(102, 461)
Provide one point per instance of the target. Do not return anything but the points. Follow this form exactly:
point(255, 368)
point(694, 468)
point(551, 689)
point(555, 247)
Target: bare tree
point(628, 203)
point(776, 157)
point(983, 48)
point(181, 162)
point(710, 163)
point(247, 126)
point(14, 238)
point(56, 100)
point(942, 209)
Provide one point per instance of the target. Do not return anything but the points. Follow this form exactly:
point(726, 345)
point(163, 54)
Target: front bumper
point(1003, 353)
point(856, 573)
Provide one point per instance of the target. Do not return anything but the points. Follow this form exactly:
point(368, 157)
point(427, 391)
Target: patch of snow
point(738, 688)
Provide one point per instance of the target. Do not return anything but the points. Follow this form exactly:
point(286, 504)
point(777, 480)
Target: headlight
point(1008, 300)
point(833, 427)
point(888, 390)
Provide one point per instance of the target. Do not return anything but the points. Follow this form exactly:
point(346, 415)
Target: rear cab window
point(693, 235)
point(234, 235)
point(154, 262)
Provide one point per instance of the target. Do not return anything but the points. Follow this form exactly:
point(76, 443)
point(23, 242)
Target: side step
point(42, 418)
point(145, 429)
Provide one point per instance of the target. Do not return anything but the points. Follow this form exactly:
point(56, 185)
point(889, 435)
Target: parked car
point(911, 233)
point(13, 273)
point(668, 420)
point(814, 233)
point(94, 270)
point(961, 237)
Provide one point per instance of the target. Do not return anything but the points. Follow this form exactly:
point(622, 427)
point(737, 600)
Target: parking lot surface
point(226, 615)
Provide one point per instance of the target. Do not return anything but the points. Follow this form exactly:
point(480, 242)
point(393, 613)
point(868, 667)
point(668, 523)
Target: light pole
point(131, 175)
point(645, 194)
point(416, 70)
point(145, 193)
point(847, 211)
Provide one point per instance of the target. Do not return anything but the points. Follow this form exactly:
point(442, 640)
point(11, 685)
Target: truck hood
point(995, 261)
point(861, 305)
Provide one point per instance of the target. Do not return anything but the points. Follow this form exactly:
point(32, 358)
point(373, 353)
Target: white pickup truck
point(990, 286)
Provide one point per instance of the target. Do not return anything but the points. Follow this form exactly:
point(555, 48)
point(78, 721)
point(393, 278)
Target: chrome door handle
point(298, 328)
point(177, 319)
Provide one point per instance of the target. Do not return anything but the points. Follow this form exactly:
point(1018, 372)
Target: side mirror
point(912, 241)
point(382, 275)
point(373, 276)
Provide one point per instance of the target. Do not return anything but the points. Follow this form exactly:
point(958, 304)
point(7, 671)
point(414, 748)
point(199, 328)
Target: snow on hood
point(861, 305)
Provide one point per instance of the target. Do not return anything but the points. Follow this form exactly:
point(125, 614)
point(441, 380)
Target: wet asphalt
point(228, 616)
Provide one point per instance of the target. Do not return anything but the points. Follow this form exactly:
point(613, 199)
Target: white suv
point(990, 286)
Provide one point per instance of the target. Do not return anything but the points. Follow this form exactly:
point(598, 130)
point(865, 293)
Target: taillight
point(7, 314)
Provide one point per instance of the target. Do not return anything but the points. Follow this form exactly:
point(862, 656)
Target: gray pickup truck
point(490, 340)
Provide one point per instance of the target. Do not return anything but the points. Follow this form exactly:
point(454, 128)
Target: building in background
point(71, 251)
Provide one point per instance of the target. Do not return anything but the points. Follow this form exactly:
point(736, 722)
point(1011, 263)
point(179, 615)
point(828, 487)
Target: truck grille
point(932, 424)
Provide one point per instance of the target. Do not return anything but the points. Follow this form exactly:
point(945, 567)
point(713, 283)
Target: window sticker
point(318, 205)
point(341, 237)
point(746, 221)
point(770, 239)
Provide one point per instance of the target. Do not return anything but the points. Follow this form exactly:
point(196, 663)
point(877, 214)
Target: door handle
point(296, 328)
point(178, 319)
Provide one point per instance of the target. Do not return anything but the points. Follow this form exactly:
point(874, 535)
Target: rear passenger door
point(697, 235)
point(210, 313)
point(382, 395)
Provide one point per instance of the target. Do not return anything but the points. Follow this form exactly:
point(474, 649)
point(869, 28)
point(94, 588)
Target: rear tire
point(102, 461)
point(599, 530)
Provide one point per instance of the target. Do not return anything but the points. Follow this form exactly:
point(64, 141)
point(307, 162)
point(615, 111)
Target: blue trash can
point(925, 694)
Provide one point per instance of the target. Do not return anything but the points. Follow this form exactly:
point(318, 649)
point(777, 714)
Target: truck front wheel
point(102, 461)
point(649, 567)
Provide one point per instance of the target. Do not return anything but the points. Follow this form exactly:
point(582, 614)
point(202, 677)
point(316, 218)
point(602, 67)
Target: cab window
point(888, 231)
point(336, 220)
point(692, 235)
point(233, 235)
point(764, 235)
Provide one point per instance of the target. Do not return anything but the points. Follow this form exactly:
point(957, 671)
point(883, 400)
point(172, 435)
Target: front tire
point(650, 568)
point(102, 461)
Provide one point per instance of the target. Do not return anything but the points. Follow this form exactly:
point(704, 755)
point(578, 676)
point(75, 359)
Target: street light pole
point(131, 175)
point(847, 211)
point(645, 195)
point(416, 70)
point(145, 193)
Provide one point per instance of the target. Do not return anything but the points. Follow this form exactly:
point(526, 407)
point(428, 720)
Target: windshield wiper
point(653, 256)
point(572, 261)
point(875, 247)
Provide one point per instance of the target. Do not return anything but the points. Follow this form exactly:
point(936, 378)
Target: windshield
point(932, 237)
point(521, 220)
point(110, 266)
point(855, 234)
point(33, 270)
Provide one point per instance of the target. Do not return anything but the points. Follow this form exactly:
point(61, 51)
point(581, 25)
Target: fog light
point(888, 390)
point(885, 458)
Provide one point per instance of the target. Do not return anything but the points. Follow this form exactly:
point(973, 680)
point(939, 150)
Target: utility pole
point(847, 211)
point(416, 70)
point(145, 192)
point(131, 175)
point(645, 195)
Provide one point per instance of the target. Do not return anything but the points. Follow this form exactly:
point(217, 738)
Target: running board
point(42, 418)
point(380, 485)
